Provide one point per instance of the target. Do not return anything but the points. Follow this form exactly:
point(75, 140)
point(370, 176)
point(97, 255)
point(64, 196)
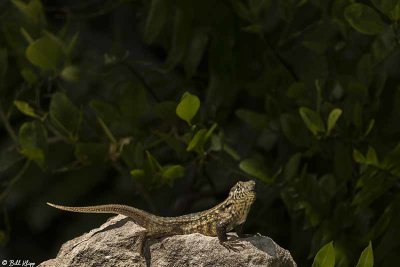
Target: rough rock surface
point(118, 243)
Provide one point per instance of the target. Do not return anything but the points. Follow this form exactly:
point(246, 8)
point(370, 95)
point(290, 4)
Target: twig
point(281, 60)
point(107, 131)
point(141, 80)
point(14, 180)
point(7, 126)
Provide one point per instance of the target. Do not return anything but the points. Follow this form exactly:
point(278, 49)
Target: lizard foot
point(232, 245)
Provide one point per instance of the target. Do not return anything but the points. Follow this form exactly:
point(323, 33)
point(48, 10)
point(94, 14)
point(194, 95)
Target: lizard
point(229, 215)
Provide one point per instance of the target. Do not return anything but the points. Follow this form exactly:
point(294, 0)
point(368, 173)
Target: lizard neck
point(240, 207)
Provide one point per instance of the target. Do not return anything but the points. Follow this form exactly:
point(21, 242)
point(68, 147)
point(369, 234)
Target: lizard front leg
point(233, 245)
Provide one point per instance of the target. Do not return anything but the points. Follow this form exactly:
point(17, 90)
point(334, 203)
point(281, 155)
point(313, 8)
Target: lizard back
point(233, 210)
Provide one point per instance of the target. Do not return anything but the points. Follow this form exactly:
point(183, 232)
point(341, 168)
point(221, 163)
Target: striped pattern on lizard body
point(217, 221)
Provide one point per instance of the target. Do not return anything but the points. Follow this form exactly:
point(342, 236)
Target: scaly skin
point(217, 221)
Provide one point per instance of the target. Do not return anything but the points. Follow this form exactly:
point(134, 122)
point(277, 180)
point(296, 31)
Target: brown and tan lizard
point(229, 215)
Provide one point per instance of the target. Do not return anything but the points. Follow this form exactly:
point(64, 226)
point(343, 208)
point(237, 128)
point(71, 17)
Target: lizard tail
point(140, 217)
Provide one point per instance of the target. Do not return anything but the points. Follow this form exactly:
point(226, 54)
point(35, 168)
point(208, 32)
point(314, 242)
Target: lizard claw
point(232, 245)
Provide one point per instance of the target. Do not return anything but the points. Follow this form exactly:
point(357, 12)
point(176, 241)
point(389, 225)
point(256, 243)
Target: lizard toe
point(233, 245)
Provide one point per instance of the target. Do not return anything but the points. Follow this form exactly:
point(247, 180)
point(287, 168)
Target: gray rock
point(119, 241)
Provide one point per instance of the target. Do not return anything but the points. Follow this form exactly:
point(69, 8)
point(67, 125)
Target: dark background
point(302, 96)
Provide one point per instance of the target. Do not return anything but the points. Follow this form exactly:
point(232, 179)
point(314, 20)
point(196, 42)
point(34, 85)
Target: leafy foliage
point(326, 256)
point(188, 107)
point(367, 257)
point(176, 100)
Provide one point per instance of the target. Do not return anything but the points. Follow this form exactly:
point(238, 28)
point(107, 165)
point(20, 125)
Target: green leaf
point(29, 76)
point(369, 128)
point(390, 8)
point(318, 37)
point(71, 45)
point(33, 142)
point(200, 138)
point(216, 143)
point(197, 141)
point(210, 131)
point(21, 6)
point(395, 14)
point(255, 167)
point(384, 221)
point(358, 156)
point(328, 184)
point(27, 36)
point(55, 39)
point(312, 120)
point(65, 116)
point(26, 108)
point(312, 215)
point(372, 158)
point(334, 115)
point(188, 107)
point(138, 173)
point(254, 119)
point(152, 165)
point(182, 31)
point(292, 166)
point(254, 28)
point(325, 256)
point(241, 10)
point(156, 19)
point(231, 151)
point(33, 10)
point(173, 172)
point(367, 257)
point(70, 73)
point(195, 51)
point(364, 19)
point(45, 53)
point(294, 130)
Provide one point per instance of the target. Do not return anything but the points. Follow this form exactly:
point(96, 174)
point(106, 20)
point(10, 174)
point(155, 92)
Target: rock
point(118, 243)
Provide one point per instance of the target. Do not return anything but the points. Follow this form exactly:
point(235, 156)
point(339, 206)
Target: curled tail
point(140, 217)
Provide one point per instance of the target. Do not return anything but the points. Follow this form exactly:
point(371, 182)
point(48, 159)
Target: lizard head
point(243, 190)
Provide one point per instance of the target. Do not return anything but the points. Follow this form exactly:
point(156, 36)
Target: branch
point(7, 126)
point(14, 180)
